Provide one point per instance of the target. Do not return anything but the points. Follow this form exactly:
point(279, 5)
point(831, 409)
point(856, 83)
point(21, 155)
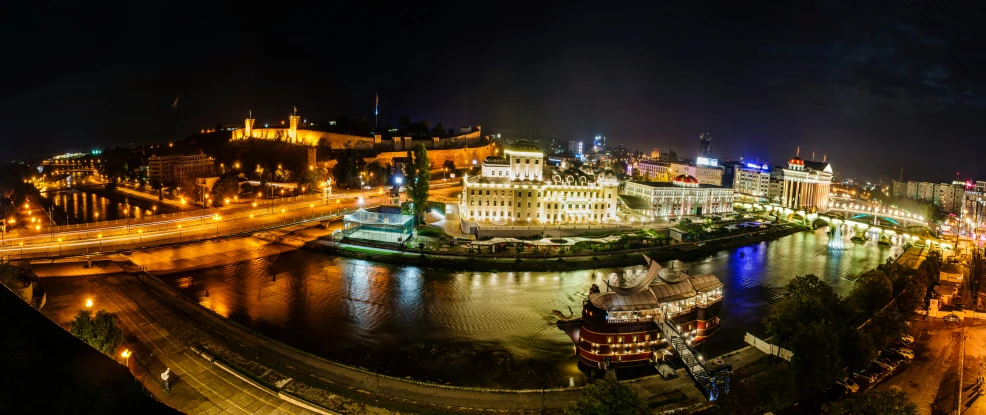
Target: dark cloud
point(876, 85)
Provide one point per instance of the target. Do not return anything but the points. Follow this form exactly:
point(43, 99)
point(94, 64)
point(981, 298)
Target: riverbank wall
point(456, 262)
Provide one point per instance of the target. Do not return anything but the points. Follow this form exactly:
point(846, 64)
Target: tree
point(607, 397)
point(439, 130)
point(310, 180)
point(816, 355)
point(377, 173)
point(885, 326)
point(405, 122)
point(911, 298)
point(855, 347)
point(226, 187)
point(157, 186)
point(99, 331)
point(449, 166)
point(872, 291)
point(808, 299)
point(348, 167)
point(418, 174)
point(873, 402)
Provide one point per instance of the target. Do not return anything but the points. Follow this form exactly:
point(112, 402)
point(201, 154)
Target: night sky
point(875, 85)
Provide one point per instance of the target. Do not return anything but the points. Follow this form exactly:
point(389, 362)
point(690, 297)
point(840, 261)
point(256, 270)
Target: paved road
point(198, 387)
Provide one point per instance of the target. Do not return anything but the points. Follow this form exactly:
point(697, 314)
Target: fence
point(767, 347)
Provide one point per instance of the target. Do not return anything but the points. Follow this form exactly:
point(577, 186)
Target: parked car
point(921, 312)
point(907, 338)
point(951, 318)
point(866, 375)
point(893, 357)
point(883, 364)
point(849, 384)
point(904, 352)
point(897, 343)
point(880, 370)
point(888, 362)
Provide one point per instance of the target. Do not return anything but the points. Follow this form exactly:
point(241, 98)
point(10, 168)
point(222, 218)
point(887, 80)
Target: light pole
point(100, 237)
point(284, 216)
point(216, 219)
point(59, 246)
point(179, 233)
point(126, 355)
point(140, 235)
point(89, 305)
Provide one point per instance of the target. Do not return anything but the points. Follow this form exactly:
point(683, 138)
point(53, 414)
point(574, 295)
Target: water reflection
point(76, 206)
point(480, 329)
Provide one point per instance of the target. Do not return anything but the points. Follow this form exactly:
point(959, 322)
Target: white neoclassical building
point(803, 184)
point(683, 196)
point(518, 188)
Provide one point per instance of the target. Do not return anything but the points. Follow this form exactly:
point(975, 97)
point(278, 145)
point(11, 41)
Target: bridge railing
point(17, 253)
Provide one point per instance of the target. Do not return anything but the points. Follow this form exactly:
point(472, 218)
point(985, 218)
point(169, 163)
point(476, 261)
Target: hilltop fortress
point(467, 137)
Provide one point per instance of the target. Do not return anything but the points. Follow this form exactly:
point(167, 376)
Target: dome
point(524, 146)
point(796, 160)
point(684, 178)
point(686, 181)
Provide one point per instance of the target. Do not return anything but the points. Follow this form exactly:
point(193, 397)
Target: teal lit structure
point(392, 228)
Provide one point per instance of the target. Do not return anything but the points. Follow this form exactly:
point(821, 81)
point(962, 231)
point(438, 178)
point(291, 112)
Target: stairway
point(696, 369)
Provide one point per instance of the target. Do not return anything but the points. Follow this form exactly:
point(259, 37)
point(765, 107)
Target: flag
point(376, 104)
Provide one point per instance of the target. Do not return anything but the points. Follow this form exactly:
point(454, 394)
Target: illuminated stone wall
point(335, 141)
point(462, 157)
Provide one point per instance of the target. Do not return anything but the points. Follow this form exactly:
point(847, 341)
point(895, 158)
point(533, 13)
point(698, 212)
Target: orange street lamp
point(126, 355)
point(89, 304)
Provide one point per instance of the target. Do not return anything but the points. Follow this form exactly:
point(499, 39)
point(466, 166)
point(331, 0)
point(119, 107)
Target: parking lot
point(933, 371)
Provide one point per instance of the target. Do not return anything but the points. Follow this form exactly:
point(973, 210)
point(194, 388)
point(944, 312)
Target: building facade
point(173, 169)
point(899, 189)
point(519, 189)
point(684, 196)
point(751, 182)
point(665, 171)
point(803, 184)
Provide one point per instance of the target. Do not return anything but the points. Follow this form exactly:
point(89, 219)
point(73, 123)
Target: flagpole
point(376, 112)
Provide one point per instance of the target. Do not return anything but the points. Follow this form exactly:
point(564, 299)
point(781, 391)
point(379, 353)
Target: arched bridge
point(839, 212)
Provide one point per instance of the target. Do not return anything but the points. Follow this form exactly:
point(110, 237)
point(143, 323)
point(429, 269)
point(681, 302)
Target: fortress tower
point(293, 125)
point(248, 130)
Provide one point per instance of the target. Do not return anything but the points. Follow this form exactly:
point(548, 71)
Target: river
point(481, 329)
point(81, 206)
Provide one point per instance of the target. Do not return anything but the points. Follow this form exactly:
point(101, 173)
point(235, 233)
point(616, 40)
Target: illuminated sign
point(705, 161)
point(754, 166)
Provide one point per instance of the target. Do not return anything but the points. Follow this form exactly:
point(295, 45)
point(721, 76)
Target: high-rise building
point(899, 189)
point(705, 145)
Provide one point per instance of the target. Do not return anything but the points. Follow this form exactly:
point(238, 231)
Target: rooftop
point(672, 185)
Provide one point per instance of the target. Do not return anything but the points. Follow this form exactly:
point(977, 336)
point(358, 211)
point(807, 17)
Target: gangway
point(713, 381)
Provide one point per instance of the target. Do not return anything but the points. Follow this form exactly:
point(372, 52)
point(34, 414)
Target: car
point(883, 364)
point(893, 365)
point(866, 375)
point(899, 343)
point(907, 338)
point(951, 318)
point(879, 370)
point(849, 384)
point(921, 312)
point(904, 352)
point(893, 357)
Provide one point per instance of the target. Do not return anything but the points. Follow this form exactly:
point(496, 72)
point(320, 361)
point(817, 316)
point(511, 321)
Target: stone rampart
point(462, 157)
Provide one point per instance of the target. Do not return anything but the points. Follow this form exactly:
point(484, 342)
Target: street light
point(179, 233)
point(140, 235)
point(59, 246)
point(284, 217)
point(100, 237)
point(126, 355)
point(89, 305)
